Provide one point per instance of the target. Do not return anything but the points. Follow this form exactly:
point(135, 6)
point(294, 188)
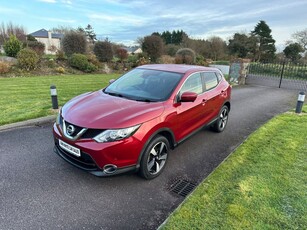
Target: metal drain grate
point(183, 187)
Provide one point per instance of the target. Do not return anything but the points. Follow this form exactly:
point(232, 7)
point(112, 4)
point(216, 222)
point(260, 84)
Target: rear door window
point(210, 80)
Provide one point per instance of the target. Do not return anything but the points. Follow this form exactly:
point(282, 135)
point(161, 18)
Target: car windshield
point(145, 85)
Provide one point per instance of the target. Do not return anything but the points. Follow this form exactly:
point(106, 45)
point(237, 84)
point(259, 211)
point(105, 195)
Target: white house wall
point(49, 43)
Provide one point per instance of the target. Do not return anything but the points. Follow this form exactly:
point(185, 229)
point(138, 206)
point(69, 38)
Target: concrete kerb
point(32, 122)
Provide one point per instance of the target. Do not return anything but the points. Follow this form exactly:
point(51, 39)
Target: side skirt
point(194, 132)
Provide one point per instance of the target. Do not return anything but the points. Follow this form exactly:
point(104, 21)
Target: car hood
point(98, 110)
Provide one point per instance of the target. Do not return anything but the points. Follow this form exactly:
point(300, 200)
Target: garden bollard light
point(54, 97)
point(300, 102)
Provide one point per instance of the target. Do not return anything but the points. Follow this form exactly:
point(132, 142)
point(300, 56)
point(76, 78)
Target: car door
point(189, 115)
point(212, 95)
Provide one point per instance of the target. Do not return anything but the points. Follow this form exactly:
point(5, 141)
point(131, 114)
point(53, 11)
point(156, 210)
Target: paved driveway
point(38, 190)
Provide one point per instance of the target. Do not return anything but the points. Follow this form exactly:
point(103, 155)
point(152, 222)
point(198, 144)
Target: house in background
point(134, 50)
point(52, 41)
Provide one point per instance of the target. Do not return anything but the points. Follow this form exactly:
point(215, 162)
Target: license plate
point(69, 148)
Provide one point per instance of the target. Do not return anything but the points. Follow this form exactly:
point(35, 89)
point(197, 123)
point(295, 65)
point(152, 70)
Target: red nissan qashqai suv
point(134, 122)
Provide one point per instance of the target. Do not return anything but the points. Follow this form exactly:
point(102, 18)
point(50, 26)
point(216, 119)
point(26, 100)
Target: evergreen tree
point(175, 37)
point(292, 51)
point(167, 37)
point(12, 46)
point(266, 44)
point(238, 45)
point(89, 32)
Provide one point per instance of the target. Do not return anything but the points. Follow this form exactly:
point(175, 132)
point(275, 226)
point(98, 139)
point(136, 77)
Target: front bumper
point(89, 167)
point(95, 157)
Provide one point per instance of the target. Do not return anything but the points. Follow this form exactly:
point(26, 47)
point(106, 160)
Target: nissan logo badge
point(70, 130)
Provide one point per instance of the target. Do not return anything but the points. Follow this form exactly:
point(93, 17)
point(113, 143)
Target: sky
point(125, 21)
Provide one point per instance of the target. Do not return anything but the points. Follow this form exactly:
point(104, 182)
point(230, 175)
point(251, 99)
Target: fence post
point(282, 73)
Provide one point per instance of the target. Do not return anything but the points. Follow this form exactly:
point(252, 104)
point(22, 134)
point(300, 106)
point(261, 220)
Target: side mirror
point(111, 81)
point(188, 97)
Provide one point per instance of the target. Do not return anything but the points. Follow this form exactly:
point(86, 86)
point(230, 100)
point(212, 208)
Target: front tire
point(154, 158)
point(222, 120)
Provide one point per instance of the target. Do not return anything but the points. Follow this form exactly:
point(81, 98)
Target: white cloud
point(58, 20)
point(6, 10)
point(48, 1)
point(68, 2)
point(119, 20)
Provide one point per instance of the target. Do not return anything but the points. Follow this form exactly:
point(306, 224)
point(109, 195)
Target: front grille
point(85, 161)
point(77, 128)
point(89, 133)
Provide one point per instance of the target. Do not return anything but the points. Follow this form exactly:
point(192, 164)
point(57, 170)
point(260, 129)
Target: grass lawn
point(262, 185)
point(29, 97)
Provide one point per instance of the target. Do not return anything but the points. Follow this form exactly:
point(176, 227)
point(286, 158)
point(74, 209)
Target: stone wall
point(238, 70)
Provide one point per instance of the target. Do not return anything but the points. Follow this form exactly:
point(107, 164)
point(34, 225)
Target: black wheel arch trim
point(228, 104)
point(172, 142)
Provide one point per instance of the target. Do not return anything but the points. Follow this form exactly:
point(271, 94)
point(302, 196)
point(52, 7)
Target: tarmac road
point(39, 190)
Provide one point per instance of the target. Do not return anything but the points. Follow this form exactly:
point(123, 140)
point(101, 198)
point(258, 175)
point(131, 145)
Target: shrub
point(178, 59)
point(142, 61)
point(122, 54)
point(93, 59)
point(27, 59)
point(132, 60)
point(38, 47)
point(103, 51)
point(60, 55)
point(60, 70)
point(4, 67)
point(200, 60)
point(187, 55)
point(153, 46)
point(166, 59)
point(74, 42)
point(12, 46)
point(31, 38)
point(51, 63)
point(80, 61)
point(171, 49)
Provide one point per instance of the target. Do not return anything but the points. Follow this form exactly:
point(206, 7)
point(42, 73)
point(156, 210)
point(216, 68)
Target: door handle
point(204, 101)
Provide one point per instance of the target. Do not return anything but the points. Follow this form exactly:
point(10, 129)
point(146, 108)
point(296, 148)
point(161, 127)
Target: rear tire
point(154, 158)
point(222, 120)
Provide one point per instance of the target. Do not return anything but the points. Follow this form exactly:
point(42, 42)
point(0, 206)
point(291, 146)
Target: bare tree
point(140, 41)
point(301, 38)
point(153, 45)
point(62, 29)
point(6, 30)
point(218, 47)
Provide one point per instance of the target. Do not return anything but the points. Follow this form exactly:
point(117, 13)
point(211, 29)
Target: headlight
point(58, 118)
point(116, 134)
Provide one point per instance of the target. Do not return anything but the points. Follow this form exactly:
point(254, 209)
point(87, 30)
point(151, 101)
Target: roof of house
point(44, 34)
point(131, 49)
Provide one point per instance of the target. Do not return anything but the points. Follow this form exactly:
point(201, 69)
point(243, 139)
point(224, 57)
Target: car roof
point(178, 68)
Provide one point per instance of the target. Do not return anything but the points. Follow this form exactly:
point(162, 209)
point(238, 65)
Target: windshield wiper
point(145, 100)
point(114, 94)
